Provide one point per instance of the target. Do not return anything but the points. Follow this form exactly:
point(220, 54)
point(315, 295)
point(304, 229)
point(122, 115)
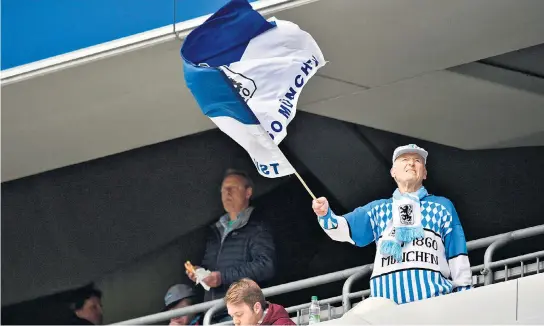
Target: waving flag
point(246, 74)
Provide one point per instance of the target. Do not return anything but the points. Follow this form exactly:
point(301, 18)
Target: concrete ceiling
point(390, 68)
point(377, 42)
point(449, 107)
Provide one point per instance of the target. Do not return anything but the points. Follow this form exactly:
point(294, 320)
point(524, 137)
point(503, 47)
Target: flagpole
point(295, 171)
point(305, 185)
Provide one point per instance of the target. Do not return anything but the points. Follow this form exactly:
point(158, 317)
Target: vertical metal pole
point(537, 265)
point(207, 320)
point(346, 288)
point(505, 273)
point(522, 269)
point(488, 256)
point(174, 23)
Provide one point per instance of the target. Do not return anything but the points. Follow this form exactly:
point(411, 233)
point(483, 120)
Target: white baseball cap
point(412, 148)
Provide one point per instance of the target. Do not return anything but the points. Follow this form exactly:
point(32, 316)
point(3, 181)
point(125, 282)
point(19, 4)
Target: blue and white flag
point(246, 74)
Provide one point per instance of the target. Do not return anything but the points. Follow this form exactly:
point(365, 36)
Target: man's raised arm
point(354, 227)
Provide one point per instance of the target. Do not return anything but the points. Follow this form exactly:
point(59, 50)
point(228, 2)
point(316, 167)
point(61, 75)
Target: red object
point(277, 315)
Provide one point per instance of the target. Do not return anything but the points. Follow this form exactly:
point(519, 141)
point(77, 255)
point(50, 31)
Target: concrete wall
point(513, 302)
point(138, 289)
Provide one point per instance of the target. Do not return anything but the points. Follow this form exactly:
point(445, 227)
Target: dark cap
point(177, 293)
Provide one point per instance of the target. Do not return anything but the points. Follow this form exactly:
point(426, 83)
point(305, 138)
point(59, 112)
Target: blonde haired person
point(247, 306)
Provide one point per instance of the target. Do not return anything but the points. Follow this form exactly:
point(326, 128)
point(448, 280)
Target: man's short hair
point(240, 173)
point(81, 295)
point(245, 291)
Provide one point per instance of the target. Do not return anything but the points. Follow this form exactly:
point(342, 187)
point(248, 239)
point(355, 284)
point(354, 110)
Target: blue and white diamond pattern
point(446, 224)
point(434, 216)
point(372, 224)
point(381, 214)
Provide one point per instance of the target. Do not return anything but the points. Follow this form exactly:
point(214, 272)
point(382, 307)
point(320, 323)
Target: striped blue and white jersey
point(436, 265)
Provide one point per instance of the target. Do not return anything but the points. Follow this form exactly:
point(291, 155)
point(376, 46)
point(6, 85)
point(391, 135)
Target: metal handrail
point(328, 300)
point(297, 285)
point(166, 315)
point(508, 261)
point(471, 245)
point(500, 242)
point(314, 281)
point(209, 314)
point(299, 307)
point(362, 294)
point(346, 288)
point(271, 291)
point(484, 242)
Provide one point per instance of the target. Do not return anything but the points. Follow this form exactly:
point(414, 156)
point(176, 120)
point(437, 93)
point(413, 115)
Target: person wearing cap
point(180, 296)
point(421, 247)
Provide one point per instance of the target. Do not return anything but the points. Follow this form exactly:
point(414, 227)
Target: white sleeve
point(455, 245)
point(336, 227)
point(460, 273)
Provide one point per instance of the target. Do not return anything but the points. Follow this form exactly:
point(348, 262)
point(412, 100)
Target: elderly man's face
point(235, 194)
point(409, 168)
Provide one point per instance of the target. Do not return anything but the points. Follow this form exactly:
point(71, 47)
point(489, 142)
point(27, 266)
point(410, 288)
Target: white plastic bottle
point(315, 311)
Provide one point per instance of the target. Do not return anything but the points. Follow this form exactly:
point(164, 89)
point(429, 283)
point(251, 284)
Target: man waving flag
point(246, 74)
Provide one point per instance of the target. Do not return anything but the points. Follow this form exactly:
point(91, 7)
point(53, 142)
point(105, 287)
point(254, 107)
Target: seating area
point(509, 271)
point(154, 172)
point(510, 302)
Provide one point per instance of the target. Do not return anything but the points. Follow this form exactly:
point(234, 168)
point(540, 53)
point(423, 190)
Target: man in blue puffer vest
point(240, 244)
